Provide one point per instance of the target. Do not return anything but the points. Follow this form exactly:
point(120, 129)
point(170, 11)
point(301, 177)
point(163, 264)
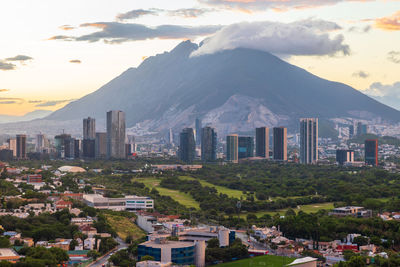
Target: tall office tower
point(262, 142)
point(89, 128)
point(361, 129)
point(59, 143)
point(208, 144)
point(344, 155)
point(309, 140)
point(371, 152)
point(12, 145)
point(280, 143)
point(232, 148)
point(77, 148)
point(69, 147)
point(245, 147)
point(187, 145)
point(89, 137)
point(21, 146)
point(41, 143)
point(170, 137)
point(89, 148)
point(101, 145)
point(115, 134)
point(198, 131)
point(351, 131)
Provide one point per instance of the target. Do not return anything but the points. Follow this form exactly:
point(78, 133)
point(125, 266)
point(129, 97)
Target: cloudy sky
point(54, 51)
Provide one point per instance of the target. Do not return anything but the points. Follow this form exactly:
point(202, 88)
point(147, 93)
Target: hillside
point(235, 90)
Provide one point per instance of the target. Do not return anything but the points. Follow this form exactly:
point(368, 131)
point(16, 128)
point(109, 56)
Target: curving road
point(102, 261)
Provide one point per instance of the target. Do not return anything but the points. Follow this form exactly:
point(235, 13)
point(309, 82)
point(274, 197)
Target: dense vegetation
point(44, 227)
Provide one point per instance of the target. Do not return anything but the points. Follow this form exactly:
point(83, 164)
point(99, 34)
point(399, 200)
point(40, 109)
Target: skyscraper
point(208, 144)
point(245, 147)
point(198, 131)
point(371, 152)
point(187, 145)
point(115, 134)
point(60, 142)
point(77, 148)
point(101, 145)
point(21, 146)
point(89, 129)
point(170, 137)
point(344, 155)
point(41, 143)
point(232, 145)
point(12, 145)
point(89, 137)
point(280, 143)
point(262, 142)
point(309, 140)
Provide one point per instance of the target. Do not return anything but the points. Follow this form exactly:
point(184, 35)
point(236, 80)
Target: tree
point(73, 244)
point(4, 242)
point(107, 244)
point(147, 258)
point(360, 240)
point(213, 243)
point(94, 254)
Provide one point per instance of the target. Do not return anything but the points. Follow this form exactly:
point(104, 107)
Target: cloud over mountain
point(306, 37)
point(115, 32)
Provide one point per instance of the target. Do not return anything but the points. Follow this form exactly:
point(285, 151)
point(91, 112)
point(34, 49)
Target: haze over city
point(55, 52)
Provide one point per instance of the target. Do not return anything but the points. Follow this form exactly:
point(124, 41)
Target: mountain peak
point(185, 47)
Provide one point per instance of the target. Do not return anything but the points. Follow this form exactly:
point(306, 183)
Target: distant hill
point(36, 114)
point(234, 90)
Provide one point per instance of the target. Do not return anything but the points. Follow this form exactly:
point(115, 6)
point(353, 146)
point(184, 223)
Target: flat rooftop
point(8, 252)
point(167, 244)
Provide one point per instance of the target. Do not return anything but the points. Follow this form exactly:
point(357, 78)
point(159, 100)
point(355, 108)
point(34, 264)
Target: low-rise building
point(127, 203)
point(8, 254)
point(354, 211)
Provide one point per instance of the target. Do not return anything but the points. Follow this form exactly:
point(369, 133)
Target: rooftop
point(167, 244)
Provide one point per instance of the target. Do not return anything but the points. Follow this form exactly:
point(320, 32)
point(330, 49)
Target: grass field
point(183, 198)
point(221, 189)
point(264, 261)
point(311, 208)
point(124, 227)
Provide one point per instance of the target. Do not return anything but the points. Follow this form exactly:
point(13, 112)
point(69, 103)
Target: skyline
point(70, 50)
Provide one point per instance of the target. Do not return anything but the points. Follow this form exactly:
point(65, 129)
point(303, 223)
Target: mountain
point(234, 90)
point(36, 114)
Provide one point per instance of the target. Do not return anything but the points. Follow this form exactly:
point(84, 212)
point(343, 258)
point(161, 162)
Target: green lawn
point(183, 198)
point(124, 227)
point(311, 208)
point(221, 189)
point(265, 261)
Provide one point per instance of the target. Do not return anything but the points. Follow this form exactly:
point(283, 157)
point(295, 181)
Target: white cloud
point(306, 37)
point(388, 94)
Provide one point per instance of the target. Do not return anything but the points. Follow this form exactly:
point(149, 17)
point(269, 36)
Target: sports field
point(183, 198)
point(221, 189)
